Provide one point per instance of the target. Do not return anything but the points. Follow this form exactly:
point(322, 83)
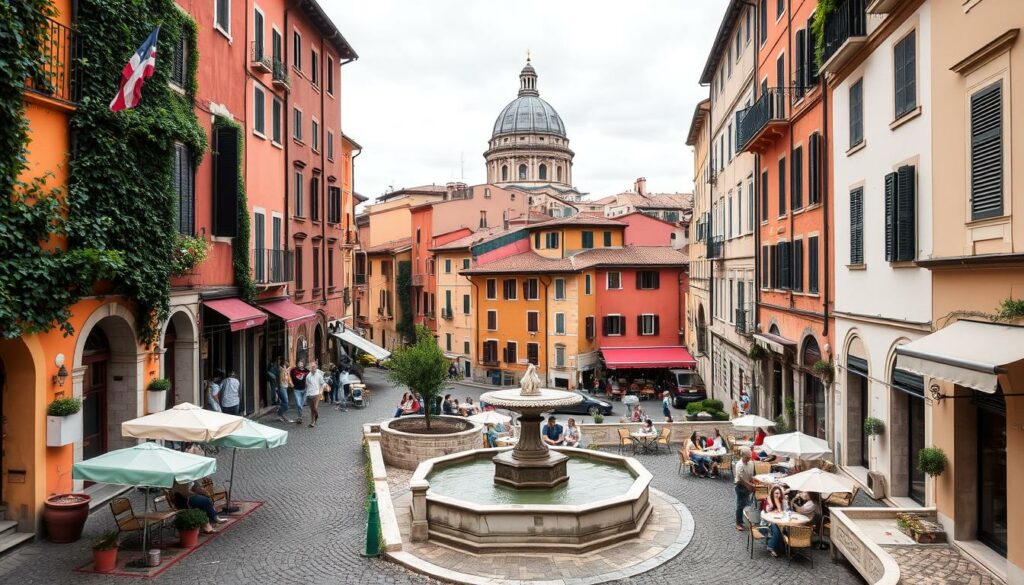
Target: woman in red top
point(759, 437)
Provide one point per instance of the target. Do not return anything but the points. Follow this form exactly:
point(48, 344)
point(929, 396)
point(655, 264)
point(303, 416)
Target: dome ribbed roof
point(529, 114)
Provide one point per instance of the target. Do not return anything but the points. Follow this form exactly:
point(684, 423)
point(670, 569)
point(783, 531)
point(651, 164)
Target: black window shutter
point(604, 325)
point(225, 177)
point(639, 324)
point(657, 279)
point(797, 199)
point(811, 70)
point(813, 168)
point(890, 217)
point(639, 279)
point(656, 324)
point(504, 354)
point(812, 265)
point(764, 267)
point(785, 265)
point(801, 55)
point(622, 325)
point(987, 152)
point(798, 265)
point(906, 214)
point(782, 187)
point(764, 195)
point(857, 226)
point(773, 266)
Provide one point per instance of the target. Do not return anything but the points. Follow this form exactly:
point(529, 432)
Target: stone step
point(10, 540)
point(7, 526)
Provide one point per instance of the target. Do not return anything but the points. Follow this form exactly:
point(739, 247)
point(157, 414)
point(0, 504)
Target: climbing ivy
point(39, 277)
point(121, 193)
point(240, 247)
point(403, 284)
point(821, 14)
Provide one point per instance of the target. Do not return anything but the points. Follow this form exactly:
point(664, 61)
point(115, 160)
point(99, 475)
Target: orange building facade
point(784, 128)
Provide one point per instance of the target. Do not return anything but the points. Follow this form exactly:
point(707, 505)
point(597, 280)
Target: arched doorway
point(318, 345)
point(814, 390)
point(777, 388)
point(858, 403)
point(96, 360)
point(24, 386)
point(180, 349)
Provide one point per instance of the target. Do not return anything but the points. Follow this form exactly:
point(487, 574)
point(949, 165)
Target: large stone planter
point(407, 449)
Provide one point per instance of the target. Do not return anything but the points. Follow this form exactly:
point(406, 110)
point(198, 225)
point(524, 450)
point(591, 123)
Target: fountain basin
point(605, 501)
point(406, 449)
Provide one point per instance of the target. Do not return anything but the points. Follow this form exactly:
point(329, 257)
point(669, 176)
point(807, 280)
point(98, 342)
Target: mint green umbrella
point(145, 464)
point(251, 435)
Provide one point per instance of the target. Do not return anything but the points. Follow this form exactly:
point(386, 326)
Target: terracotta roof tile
point(392, 246)
point(531, 262)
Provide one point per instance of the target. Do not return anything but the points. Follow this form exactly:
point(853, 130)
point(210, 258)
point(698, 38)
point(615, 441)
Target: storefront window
point(992, 472)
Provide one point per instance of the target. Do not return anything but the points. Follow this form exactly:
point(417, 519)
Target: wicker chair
point(664, 439)
point(754, 534)
point(760, 492)
point(219, 497)
point(799, 537)
point(762, 467)
point(128, 521)
point(828, 466)
point(725, 465)
point(842, 500)
point(625, 439)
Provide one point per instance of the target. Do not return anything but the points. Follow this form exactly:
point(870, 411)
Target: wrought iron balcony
point(58, 76)
point(846, 30)
point(745, 321)
point(715, 247)
point(272, 266)
point(446, 313)
point(281, 78)
point(258, 60)
point(764, 122)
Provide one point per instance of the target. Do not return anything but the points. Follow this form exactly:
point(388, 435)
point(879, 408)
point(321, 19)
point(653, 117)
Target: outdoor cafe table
point(742, 443)
point(783, 520)
point(507, 441)
point(769, 478)
point(645, 440)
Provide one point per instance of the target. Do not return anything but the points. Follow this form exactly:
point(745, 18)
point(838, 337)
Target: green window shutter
point(906, 213)
point(812, 264)
point(856, 226)
point(798, 265)
point(782, 187)
point(987, 152)
point(588, 239)
point(797, 198)
point(607, 239)
point(814, 168)
point(890, 217)
point(785, 265)
point(811, 71)
point(801, 55)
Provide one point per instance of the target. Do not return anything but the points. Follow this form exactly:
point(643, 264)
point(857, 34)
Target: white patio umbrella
point(797, 445)
point(489, 417)
point(819, 481)
point(751, 421)
point(183, 422)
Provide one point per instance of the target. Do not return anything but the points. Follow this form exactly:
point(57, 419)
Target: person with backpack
point(298, 376)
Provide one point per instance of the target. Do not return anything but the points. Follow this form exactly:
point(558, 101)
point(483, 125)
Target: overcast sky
point(433, 75)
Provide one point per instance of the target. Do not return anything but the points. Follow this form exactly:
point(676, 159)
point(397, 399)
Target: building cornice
point(1000, 44)
point(946, 262)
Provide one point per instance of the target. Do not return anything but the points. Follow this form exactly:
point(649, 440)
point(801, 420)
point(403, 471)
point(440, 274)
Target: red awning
point(291, 313)
point(239, 314)
point(647, 357)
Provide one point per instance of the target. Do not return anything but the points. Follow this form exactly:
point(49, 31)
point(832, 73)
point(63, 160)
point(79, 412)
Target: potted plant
point(824, 370)
point(598, 418)
point(156, 395)
point(63, 422)
point(64, 516)
point(931, 461)
point(757, 353)
point(104, 552)
point(189, 252)
point(873, 427)
point(188, 523)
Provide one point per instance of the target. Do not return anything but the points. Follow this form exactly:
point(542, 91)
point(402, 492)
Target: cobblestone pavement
point(937, 564)
point(311, 529)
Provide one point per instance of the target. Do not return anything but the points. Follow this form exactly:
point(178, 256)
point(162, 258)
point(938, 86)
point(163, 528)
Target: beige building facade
point(699, 297)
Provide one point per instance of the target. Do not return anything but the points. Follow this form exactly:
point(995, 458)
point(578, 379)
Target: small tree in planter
point(824, 370)
point(931, 461)
point(421, 367)
point(156, 397)
point(104, 552)
point(63, 422)
point(188, 523)
point(873, 427)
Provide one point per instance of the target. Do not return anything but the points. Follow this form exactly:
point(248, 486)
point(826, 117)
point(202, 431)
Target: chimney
point(640, 186)
point(483, 218)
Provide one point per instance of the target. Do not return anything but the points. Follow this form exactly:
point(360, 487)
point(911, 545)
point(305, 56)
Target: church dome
point(528, 113)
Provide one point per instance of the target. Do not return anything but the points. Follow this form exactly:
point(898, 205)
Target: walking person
point(666, 404)
point(213, 391)
point(346, 390)
point(230, 395)
point(272, 376)
point(743, 474)
point(298, 376)
point(315, 386)
point(284, 383)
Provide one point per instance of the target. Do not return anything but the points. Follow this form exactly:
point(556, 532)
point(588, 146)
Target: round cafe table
point(769, 478)
point(781, 519)
point(507, 441)
point(645, 440)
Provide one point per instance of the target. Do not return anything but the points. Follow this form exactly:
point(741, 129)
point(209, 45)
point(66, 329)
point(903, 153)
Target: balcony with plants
point(57, 75)
point(281, 79)
point(840, 30)
point(258, 60)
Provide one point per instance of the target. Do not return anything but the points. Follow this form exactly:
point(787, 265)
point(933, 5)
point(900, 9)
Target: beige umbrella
point(751, 421)
point(797, 445)
point(184, 422)
point(818, 481)
point(489, 417)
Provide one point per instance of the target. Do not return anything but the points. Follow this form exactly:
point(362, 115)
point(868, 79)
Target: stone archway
point(857, 391)
point(23, 393)
point(815, 402)
point(319, 345)
point(122, 378)
point(179, 347)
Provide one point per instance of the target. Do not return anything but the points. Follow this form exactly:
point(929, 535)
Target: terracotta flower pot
point(104, 561)
point(188, 538)
point(65, 516)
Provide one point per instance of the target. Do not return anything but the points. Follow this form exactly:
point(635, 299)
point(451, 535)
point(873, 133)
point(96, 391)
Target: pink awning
point(288, 311)
point(647, 357)
point(239, 314)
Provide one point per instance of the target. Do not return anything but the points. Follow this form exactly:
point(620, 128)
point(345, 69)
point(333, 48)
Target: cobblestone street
point(311, 528)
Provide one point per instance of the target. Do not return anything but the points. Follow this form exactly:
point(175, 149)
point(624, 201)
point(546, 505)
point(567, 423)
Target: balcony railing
point(770, 107)
point(281, 78)
point(715, 246)
point(745, 321)
point(258, 59)
point(272, 266)
point(58, 76)
point(847, 22)
point(446, 313)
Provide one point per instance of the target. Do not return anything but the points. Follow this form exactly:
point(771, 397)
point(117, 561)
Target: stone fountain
point(530, 465)
point(523, 499)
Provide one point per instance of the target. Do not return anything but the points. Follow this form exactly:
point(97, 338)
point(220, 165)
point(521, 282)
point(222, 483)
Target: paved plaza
point(311, 528)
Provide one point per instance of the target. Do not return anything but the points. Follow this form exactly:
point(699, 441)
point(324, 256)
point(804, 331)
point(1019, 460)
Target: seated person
point(190, 494)
point(492, 436)
point(573, 437)
point(804, 503)
point(648, 428)
point(412, 407)
point(759, 436)
point(701, 463)
point(638, 414)
point(776, 502)
point(470, 407)
point(446, 405)
point(552, 433)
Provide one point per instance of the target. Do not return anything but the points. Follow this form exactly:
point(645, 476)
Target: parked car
point(688, 388)
point(589, 406)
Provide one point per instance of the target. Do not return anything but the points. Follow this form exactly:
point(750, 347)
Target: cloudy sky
point(433, 75)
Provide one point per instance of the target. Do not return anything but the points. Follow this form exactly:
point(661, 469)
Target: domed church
point(529, 147)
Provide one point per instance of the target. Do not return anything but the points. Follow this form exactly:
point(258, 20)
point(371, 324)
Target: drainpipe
point(324, 188)
point(825, 200)
point(789, 127)
point(547, 365)
point(285, 134)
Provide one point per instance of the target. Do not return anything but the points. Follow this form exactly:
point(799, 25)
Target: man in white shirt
point(315, 383)
point(229, 394)
point(743, 477)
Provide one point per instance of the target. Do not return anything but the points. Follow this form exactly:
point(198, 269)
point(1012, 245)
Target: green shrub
point(780, 425)
point(190, 519)
point(64, 407)
point(598, 418)
point(720, 415)
point(159, 385)
point(931, 460)
point(873, 426)
point(694, 407)
point(713, 406)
